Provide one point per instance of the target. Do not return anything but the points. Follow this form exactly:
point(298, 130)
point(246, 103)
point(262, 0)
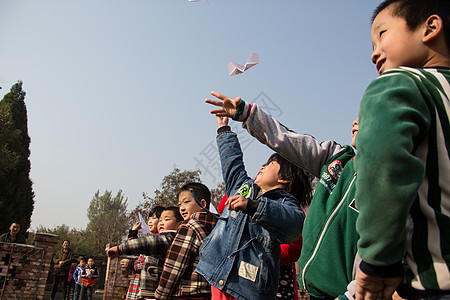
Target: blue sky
point(115, 89)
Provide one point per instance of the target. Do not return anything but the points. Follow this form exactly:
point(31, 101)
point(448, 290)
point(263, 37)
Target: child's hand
point(124, 263)
point(237, 203)
point(221, 121)
point(113, 252)
point(137, 226)
point(228, 106)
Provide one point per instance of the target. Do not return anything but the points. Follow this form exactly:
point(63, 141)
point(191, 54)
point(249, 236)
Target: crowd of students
point(379, 220)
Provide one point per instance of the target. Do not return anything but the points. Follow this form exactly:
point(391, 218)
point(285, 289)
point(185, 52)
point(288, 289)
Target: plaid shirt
point(155, 247)
point(178, 277)
point(133, 288)
point(135, 268)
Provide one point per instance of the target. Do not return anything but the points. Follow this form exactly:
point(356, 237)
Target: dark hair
point(299, 184)
point(82, 258)
point(415, 12)
point(199, 191)
point(176, 212)
point(65, 241)
point(157, 210)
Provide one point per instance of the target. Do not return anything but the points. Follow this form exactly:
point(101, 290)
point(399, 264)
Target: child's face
point(91, 262)
point(153, 224)
point(268, 177)
point(395, 44)
point(187, 204)
point(82, 263)
point(167, 221)
point(355, 128)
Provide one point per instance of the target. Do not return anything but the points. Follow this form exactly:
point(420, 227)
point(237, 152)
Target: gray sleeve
point(302, 150)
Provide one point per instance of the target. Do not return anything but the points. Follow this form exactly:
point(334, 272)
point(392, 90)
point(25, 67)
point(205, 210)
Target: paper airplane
point(234, 68)
point(213, 209)
point(144, 225)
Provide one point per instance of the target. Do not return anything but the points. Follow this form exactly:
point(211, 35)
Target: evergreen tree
point(16, 193)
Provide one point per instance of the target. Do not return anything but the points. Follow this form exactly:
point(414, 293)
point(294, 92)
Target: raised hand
point(228, 106)
point(137, 226)
point(222, 121)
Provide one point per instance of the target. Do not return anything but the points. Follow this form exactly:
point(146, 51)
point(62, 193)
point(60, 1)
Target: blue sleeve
point(288, 210)
point(75, 275)
point(231, 158)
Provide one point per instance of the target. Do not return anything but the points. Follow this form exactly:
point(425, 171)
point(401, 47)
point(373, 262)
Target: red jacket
point(85, 275)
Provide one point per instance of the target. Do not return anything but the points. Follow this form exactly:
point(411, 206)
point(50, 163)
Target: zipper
point(325, 230)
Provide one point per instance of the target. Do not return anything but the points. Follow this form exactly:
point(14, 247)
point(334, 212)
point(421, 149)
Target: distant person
point(88, 277)
point(71, 282)
point(62, 260)
point(13, 236)
point(77, 277)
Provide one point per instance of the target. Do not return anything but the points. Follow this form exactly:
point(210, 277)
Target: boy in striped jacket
point(403, 166)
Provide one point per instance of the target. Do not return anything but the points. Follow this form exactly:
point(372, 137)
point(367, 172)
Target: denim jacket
point(241, 256)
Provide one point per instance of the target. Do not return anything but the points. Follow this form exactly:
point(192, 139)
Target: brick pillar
point(116, 283)
point(47, 242)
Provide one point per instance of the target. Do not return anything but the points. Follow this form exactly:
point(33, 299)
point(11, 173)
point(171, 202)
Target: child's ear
point(283, 181)
point(433, 27)
point(203, 203)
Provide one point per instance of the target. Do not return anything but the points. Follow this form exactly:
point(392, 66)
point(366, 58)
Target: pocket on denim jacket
point(267, 279)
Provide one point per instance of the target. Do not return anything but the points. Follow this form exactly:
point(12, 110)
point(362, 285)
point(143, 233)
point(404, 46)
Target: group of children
point(182, 253)
point(81, 279)
point(171, 255)
point(379, 219)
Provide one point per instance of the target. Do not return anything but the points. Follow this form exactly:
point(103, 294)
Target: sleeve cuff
point(119, 249)
point(390, 271)
point(243, 111)
point(132, 234)
point(252, 207)
point(223, 129)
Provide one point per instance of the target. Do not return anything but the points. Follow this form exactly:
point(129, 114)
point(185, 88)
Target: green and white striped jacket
point(403, 183)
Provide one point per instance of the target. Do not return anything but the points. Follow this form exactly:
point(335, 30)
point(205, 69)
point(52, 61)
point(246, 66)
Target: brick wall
point(24, 268)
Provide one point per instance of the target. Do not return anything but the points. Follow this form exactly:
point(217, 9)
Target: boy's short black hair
point(299, 184)
point(415, 12)
point(82, 258)
point(176, 212)
point(157, 210)
point(199, 190)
